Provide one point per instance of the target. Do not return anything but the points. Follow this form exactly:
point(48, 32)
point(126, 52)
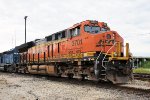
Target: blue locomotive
point(9, 59)
point(15, 60)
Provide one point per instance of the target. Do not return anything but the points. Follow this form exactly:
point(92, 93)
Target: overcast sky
point(130, 18)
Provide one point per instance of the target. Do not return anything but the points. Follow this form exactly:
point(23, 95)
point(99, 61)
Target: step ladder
point(105, 61)
point(104, 68)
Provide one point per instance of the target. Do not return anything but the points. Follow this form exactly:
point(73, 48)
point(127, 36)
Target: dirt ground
point(22, 87)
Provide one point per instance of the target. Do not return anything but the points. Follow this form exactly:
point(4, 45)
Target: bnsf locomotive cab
point(89, 37)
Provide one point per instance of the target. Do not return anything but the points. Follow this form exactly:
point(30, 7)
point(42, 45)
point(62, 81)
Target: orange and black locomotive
point(88, 49)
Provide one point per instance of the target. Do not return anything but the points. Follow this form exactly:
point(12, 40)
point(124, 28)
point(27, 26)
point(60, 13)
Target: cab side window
point(74, 32)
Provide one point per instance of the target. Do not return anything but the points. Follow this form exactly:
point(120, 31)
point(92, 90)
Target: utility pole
point(25, 27)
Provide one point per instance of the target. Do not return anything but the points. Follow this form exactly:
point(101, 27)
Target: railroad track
point(136, 89)
point(141, 76)
point(129, 87)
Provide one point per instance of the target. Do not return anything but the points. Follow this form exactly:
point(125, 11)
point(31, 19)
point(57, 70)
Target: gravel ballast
point(26, 87)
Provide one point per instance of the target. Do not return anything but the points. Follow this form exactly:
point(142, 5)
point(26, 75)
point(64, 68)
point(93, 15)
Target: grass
point(144, 69)
point(146, 65)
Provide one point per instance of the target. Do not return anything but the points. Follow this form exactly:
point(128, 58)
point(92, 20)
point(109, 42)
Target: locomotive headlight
point(115, 54)
point(108, 36)
point(105, 24)
point(113, 35)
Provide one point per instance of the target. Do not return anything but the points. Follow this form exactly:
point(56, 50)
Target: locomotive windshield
point(96, 29)
point(92, 29)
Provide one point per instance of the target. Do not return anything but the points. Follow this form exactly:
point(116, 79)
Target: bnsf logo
point(105, 42)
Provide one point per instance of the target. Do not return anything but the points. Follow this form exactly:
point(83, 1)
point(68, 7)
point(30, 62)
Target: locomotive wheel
point(70, 76)
point(16, 70)
point(5, 69)
point(81, 77)
point(24, 71)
